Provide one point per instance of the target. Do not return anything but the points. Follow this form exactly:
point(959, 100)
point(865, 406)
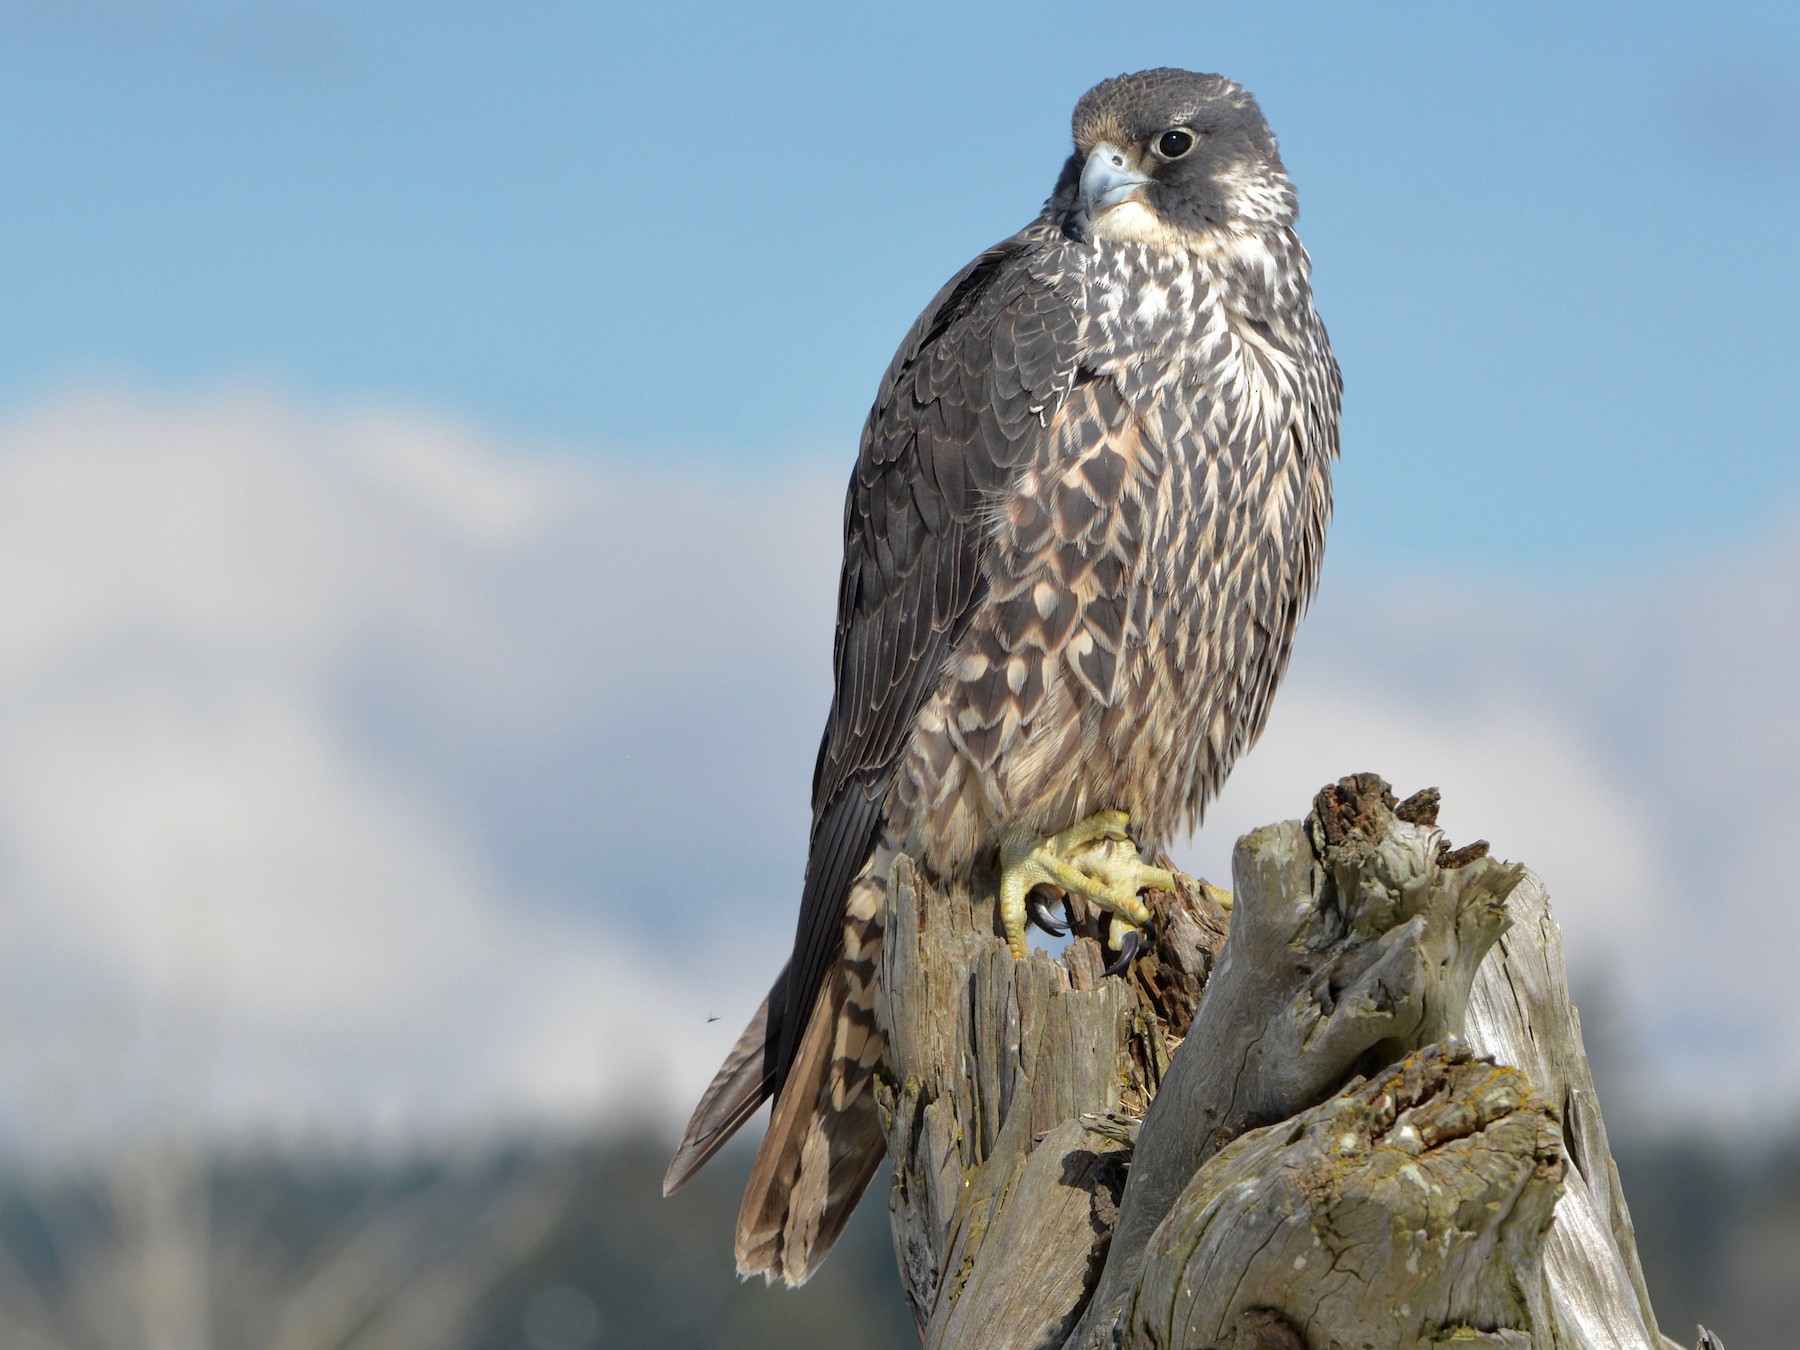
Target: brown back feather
point(961, 405)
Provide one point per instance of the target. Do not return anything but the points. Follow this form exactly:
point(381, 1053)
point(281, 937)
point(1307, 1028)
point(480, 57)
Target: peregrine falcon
point(1088, 510)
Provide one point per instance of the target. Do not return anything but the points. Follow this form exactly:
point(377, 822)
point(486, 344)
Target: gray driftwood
point(1352, 1109)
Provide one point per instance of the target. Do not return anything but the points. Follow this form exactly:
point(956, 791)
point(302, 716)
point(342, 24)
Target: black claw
point(1039, 913)
point(1129, 947)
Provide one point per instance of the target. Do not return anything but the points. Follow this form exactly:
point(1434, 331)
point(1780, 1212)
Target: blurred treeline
point(539, 1246)
point(560, 1246)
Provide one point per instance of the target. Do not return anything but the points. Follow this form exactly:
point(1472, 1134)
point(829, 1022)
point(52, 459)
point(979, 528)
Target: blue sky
point(422, 432)
point(1553, 243)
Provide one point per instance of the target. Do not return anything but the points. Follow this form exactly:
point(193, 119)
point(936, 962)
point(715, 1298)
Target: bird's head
point(1171, 157)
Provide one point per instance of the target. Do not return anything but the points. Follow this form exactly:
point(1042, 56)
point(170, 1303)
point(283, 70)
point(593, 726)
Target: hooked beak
point(1107, 179)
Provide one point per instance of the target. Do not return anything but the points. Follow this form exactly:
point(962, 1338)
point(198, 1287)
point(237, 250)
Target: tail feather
point(741, 1085)
point(816, 1159)
point(824, 1141)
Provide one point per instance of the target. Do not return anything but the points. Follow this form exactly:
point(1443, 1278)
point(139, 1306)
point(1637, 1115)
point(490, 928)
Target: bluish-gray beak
point(1107, 179)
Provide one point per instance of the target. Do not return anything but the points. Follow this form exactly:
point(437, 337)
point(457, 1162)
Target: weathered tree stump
point(1351, 1109)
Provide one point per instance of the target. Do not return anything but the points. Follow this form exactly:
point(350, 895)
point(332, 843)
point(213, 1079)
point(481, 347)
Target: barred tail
point(824, 1140)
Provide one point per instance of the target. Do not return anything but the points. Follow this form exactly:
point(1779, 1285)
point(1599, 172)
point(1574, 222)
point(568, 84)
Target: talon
point(1040, 915)
point(1130, 941)
point(1094, 859)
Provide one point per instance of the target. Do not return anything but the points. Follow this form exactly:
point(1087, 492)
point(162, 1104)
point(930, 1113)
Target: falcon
point(1088, 510)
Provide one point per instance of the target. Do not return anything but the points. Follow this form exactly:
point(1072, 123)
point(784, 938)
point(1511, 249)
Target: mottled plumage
point(1088, 511)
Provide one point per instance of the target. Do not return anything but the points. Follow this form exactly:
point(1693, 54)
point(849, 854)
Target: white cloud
point(1513, 772)
point(1633, 743)
point(358, 772)
point(263, 683)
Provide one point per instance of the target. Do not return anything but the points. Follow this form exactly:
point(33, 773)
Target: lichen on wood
point(1350, 1109)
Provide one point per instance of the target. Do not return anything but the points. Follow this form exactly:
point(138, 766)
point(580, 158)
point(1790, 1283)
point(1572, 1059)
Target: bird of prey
point(1088, 510)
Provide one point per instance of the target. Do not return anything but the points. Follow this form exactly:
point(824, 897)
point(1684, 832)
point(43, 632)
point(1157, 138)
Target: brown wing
point(732, 1097)
point(973, 384)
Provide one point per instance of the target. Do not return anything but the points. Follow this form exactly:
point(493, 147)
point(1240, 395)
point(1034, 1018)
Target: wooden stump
point(1351, 1110)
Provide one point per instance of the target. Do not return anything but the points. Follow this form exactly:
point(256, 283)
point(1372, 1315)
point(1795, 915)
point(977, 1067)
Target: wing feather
point(956, 415)
point(737, 1089)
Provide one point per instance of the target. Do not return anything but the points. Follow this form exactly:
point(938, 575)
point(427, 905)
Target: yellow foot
point(1110, 877)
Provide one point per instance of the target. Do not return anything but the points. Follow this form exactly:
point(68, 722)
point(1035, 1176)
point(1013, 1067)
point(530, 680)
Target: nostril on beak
point(1107, 178)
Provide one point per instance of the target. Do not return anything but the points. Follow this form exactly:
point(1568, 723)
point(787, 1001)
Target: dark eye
point(1174, 144)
